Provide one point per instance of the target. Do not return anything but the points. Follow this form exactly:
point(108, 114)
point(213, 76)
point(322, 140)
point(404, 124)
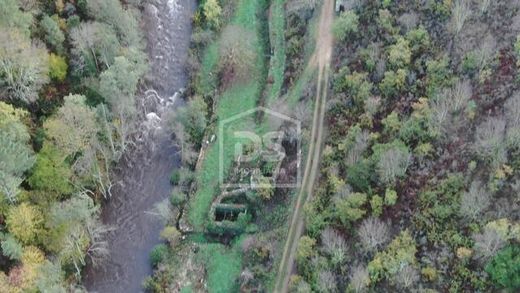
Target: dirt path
point(321, 58)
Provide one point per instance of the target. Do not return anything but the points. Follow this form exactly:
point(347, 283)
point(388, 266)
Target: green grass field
point(277, 37)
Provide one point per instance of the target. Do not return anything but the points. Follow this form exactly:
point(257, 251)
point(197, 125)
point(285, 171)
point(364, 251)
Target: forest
point(69, 72)
point(407, 162)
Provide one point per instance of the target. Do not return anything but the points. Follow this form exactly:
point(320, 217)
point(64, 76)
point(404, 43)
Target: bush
point(419, 40)
point(376, 204)
point(237, 54)
point(350, 208)
point(178, 197)
point(357, 86)
point(359, 175)
point(393, 82)
point(345, 25)
point(57, 67)
point(170, 234)
point(212, 12)
point(158, 254)
point(504, 268)
point(399, 54)
point(390, 197)
point(399, 253)
point(175, 177)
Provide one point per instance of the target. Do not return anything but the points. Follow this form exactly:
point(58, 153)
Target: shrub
point(359, 175)
point(439, 75)
point(194, 119)
point(399, 54)
point(178, 197)
point(237, 54)
point(399, 253)
point(504, 268)
point(57, 67)
point(373, 234)
point(349, 209)
point(175, 177)
point(429, 273)
point(357, 86)
point(376, 204)
point(158, 254)
point(392, 123)
point(171, 234)
point(345, 25)
point(390, 197)
point(304, 251)
point(393, 82)
point(212, 13)
point(385, 20)
point(419, 40)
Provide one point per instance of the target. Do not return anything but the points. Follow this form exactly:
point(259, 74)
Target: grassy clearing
point(277, 38)
point(235, 100)
point(223, 265)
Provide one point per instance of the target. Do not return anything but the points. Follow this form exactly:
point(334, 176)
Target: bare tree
point(372, 105)
point(373, 234)
point(512, 108)
point(355, 153)
point(406, 277)
point(489, 140)
point(327, 282)
point(408, 21)
point(460, 13)
point(334, 245)
point(393, 164)
point(484, 5)
point(487, 244)
point(460, 95)
point(359, 279)
point(23, 66)
point(475, 201)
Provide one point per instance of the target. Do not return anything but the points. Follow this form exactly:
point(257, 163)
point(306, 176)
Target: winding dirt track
point(321, 58)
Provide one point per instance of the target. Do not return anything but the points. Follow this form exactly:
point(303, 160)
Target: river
point(143, 173)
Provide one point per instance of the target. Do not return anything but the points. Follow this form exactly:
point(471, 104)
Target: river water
point(143, 173)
